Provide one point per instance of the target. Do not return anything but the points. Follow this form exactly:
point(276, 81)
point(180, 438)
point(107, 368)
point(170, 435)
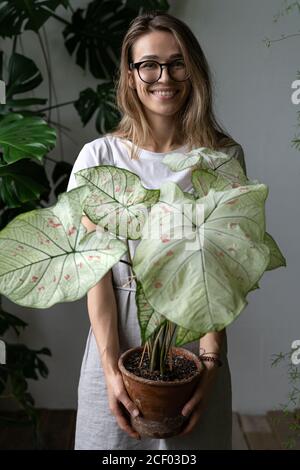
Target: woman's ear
point(131, 80)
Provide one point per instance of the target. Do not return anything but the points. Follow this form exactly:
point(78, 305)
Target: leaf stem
point(54, 106)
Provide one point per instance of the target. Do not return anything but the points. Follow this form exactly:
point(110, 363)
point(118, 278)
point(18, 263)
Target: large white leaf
point(201, 284)
point(47, 256)
point(204, 158)
point(118, 201)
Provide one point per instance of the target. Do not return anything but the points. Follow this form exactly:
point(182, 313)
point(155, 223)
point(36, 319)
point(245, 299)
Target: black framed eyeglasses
point(150, 71)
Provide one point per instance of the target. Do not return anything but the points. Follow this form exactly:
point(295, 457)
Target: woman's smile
point(164, 95)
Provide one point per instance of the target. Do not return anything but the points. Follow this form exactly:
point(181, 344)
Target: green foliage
point(95, 34)
point(102, 102)
point(21, 182)
point(291, 408)
point(25, 137)
point(53, 258)
point(194, 272)
point(20, 15)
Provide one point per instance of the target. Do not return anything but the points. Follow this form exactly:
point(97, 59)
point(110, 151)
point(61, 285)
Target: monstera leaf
point(204, 158)
point(25, 137)
point(23, 76)
point(118, 201)
point(47, 256)
point(21, 182)
point(96, 35)
point(19, 15)
point(199, 279)
point(102, 101)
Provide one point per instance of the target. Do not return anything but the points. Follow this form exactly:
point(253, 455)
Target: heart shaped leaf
point(47, 256)
point(199, 279)
point(204, 158)
point(118, 201)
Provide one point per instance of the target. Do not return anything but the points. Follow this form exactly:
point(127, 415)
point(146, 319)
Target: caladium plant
point(199, 254)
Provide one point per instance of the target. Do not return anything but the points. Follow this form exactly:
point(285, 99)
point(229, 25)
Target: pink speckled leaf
point(203, 286)
point(47, 256)
point(118, 201)
point(203, 158)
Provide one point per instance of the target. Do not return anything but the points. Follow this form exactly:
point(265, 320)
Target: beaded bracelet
point(216, 360)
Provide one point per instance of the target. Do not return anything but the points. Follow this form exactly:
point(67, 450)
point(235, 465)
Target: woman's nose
point(165, 74)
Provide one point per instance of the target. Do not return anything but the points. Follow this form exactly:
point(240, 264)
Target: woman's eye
point(148, 65)
point(179, 63)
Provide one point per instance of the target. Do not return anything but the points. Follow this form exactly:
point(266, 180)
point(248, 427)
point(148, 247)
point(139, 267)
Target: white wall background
point(253, 101)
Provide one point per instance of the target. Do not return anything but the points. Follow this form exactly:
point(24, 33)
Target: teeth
point(164, 93)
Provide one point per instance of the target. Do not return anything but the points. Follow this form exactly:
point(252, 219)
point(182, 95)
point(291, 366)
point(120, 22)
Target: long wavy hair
point(198, 124)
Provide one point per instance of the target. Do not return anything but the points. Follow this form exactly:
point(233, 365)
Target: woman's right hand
point(120, 402)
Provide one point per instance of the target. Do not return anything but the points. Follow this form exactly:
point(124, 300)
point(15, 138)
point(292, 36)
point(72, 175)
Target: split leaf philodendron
point(25, 137)
point(199, 255)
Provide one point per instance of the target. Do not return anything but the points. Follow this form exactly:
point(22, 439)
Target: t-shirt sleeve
point(94, 153)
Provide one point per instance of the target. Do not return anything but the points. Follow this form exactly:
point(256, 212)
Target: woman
point(164, 94)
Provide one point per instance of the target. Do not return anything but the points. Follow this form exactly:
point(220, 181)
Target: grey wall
point(253, 101)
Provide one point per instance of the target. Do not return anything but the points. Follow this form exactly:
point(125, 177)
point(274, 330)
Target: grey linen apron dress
point(96, 427)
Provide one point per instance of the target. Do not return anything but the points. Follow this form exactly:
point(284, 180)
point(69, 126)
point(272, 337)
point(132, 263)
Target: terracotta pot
point(160, 402)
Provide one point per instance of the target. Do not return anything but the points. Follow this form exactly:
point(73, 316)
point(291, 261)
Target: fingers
point(120, 403)
point(124, 398)
point(122, 421)
point(191, 423)
point(192, 403)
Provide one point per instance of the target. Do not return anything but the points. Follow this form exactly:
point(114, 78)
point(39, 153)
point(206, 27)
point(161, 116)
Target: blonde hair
point(198, 125)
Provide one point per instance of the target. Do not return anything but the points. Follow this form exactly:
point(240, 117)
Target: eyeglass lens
point(150, 71)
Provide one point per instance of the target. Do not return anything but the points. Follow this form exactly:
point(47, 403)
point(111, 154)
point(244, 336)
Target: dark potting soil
point(182, 368)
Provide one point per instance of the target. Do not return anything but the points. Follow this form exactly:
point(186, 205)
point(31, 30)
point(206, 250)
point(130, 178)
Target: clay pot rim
point(160, 382)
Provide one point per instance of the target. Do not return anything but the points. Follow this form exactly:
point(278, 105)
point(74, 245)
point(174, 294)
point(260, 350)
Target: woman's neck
point(166, 135)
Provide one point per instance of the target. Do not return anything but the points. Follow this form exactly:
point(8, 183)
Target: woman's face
point(163, 45)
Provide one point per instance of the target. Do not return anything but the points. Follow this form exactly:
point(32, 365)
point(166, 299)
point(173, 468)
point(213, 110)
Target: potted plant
point(191, 246)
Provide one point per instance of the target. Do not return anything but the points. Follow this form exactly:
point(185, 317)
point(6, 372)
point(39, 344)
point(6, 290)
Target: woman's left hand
point(197, 403)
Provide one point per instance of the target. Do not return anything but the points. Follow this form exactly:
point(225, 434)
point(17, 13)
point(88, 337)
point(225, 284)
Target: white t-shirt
point(111, 150)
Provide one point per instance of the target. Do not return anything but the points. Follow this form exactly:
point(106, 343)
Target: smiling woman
point(164, 88)
point(164, 95)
